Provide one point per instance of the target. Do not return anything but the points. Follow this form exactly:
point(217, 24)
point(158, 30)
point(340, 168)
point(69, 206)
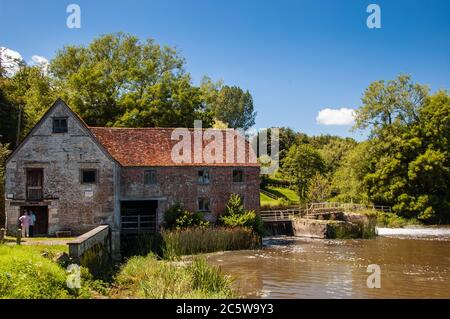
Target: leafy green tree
point(229, 104)
point(334, 151)
point(319, 188)
point(4, 153)
point(347, 184)
point(118, 80)
point(391, 104)
point(24, 98)
point(408, 166)
point(237, 216)
point(300, 165)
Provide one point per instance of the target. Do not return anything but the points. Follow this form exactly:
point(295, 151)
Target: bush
point(177, 217)
point(205, 240)
point(391, 220)
point(148, 277)
point(237, 216)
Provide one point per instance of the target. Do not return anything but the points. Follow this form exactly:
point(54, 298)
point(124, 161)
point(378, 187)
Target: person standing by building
point(32, 223)
point(25, 224)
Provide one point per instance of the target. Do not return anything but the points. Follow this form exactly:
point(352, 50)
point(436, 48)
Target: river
point(413, 263)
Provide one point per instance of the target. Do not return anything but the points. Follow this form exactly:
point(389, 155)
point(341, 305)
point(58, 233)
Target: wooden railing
point(135, 224)
point(34, 193)
point(279, 215)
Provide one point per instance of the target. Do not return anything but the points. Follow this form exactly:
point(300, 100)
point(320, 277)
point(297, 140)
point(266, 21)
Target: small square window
point(150, 177)
point(59, 125)
point(238, 176)
point(203, 205)
point(203, 177)
point(88, 176)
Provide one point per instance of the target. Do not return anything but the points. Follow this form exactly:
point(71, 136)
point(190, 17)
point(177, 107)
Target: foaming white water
point(417, 232)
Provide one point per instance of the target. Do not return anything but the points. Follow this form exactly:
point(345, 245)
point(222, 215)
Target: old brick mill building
point(75, 177)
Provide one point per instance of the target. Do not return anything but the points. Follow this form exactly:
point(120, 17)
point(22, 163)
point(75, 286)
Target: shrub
point(391, 219)
point(171, 215)
point(178, 217)
point(187, 219)
point(237, 216)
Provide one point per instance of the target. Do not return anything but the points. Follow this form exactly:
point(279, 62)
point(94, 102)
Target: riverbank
point(39, 271)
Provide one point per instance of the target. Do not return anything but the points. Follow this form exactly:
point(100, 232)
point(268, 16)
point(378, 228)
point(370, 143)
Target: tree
point(25, 97)
point(409, 152)
point(229, 104)
point(319, 188)
point(118, 80)
point(334, 151)
point(347, 184)
point(390, 104)
point(237, 216)
point(4, 153)
point(300, 165)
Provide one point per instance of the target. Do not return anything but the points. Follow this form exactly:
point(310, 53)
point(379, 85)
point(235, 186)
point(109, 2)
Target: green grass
point(286, 193)
point(148, 277)
point(26, 274)
point(267, 201)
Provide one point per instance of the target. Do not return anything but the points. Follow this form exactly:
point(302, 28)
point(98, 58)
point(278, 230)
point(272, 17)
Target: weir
point(322, 220)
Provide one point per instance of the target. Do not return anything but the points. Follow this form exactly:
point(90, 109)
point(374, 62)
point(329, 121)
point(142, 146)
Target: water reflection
point(314, 268)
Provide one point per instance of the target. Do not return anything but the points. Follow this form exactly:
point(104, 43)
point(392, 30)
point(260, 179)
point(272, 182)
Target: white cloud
point(10, 60)
point(40, 61)
point(342, 116)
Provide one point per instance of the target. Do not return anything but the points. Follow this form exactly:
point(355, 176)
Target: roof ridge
point(157, 128)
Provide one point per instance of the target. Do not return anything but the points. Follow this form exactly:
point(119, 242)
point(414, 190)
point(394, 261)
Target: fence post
point(19, 236)
point(2, 235)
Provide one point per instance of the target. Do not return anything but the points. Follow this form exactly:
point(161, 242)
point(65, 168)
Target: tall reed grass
point(148, 277)
point(197, 240)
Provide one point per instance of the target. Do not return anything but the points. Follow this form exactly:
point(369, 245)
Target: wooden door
point(34, 184)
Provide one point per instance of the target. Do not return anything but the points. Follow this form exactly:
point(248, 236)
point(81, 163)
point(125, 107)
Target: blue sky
point(295, 57)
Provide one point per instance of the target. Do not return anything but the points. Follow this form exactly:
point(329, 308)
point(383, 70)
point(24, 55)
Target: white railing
point(314, 209)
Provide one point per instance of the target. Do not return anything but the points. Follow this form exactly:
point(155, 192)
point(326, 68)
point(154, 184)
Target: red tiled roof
point(153, 147)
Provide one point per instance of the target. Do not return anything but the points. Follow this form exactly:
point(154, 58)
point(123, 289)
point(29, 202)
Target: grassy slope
point(286, 193)
point(26, 274)
point(267, 201)
point(280, 192)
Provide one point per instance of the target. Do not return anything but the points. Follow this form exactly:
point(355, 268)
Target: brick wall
point(181, 184)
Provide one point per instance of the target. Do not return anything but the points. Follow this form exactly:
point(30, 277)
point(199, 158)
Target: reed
point(198, 240)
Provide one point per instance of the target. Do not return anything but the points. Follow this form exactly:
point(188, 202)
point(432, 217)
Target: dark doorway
point(41, 212)
point(139, 217)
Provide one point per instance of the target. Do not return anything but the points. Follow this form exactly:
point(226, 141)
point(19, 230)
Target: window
point(203, 177)
point(238, 176)
point(150, 177)
point(203, 204)
point(59, 125)
point(88, 176)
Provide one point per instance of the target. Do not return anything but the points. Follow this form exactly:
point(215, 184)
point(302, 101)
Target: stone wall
point(180, 184)
point(71, 205)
